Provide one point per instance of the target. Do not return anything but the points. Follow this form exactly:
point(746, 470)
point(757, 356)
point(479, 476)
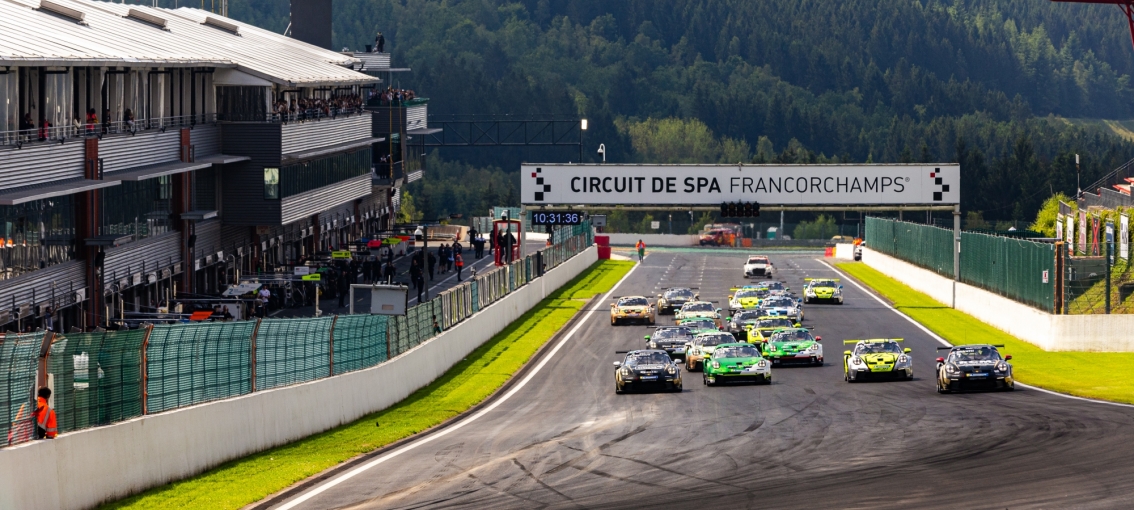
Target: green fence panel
point(474, 289)
point(291, 351)
point(97, 377)
point(18, 355)
point(360, 342)
point(922, 245)
point(188, 364)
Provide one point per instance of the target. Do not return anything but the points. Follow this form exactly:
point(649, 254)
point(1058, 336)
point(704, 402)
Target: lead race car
point(673, 299)
point(737, 362)
point(646, 369)
point(974, 367)
point(822, 289)
point(699, 310)
point(878, 358)
point(794, 346)
point(631, 308)
point(671, 339)
point(757, 265)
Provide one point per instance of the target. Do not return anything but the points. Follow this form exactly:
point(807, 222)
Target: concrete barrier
point(85, 468)
point(654, 239)
point(1048, 331)
point(844, 251)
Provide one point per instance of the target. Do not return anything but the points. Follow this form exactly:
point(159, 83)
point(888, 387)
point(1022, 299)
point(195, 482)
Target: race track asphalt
point(809, 440)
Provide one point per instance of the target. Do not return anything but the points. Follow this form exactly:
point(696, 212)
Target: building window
point(141, 209)
point(36, 235)
point(308, 175)
point(271, 184)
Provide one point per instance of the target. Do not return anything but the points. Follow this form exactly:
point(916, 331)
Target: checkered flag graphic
point(544, 188)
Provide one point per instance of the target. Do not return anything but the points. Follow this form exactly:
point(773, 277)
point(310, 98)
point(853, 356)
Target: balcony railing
point(313, 114)
point(59, 134)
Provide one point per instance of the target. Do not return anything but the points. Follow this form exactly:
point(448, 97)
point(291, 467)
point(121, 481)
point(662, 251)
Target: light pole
point(602, 150)
point(582, 127)
point(1078, 186)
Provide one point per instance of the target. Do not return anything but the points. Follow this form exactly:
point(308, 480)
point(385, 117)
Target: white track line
point(427, 439)
point(947, 344)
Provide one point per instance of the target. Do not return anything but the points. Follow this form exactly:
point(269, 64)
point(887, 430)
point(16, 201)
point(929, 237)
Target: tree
point(823, 227)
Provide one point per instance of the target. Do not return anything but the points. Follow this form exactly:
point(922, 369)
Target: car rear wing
point(971, 345)
point(822, 279)
point(879, 340)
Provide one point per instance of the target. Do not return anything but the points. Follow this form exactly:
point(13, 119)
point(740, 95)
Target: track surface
point(565, 440)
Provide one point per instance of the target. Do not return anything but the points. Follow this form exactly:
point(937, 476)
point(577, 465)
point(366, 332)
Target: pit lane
point(565, 440)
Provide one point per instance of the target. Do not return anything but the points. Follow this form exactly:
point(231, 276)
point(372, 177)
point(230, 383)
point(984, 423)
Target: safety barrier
point(1018, 269)
point(105, 377)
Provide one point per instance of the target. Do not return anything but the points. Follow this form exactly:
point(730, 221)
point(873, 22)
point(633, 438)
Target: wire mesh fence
point(104, 377)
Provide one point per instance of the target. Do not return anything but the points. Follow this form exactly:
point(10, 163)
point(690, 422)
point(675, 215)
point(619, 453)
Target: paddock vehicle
point(736, 362)
point(745, 299)
point(761, 330)
point(673, 299)
point(697, 310)
point(700, 325)
point(631, 308)
point(788, 346)
point(671, 339)
point(784, 306)
point(718, 237)
point(878, 358)
point(822, 289)
point(974, 367)
point(703, 346)
point(757, 265)
point(646, 369)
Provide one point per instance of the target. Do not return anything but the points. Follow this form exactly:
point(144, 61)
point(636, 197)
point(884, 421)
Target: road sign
point(554, 184)
point(340, 254)
point(655, 225)
point(302, 270)
point(312, 277)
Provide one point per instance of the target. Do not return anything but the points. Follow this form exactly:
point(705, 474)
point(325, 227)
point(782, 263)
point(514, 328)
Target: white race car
point(698, 309)
point(757, 265)
point(782, 306)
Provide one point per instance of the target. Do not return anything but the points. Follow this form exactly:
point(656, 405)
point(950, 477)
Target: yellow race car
point(879, 358)
point(632, 308)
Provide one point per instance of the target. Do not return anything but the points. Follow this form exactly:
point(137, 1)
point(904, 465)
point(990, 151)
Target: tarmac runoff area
point(562, 439)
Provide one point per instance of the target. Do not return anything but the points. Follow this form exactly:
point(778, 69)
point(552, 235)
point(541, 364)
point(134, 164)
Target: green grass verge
point(1101, 375)
point(250, 479)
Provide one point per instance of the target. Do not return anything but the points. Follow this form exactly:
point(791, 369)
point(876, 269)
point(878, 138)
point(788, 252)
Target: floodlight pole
point(523, 228)
point(956, 250)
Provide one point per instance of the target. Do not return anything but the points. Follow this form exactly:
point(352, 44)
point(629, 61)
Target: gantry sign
point(933, 185)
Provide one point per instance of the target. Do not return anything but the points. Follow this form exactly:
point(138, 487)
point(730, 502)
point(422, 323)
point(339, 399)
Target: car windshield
point(747, 316)
point(795, 335)
point(705, 324)
point(773, 285)
point(633, 301)
point(877, 348)
point(774, 323)
point(647, 358)
point(824, 283)
point(778, 302)
point(679, 294)
point(697, 307)
point(975, 354)
point(711, 340)
point(740, 351)
point(745, 293)
point(757, 260)
point(663, 334)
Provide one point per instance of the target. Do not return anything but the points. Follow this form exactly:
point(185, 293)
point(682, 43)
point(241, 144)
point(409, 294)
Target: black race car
point(974, 367)
point(671, 339)
point(645, 370)
point(738, 322)
point(672, 299)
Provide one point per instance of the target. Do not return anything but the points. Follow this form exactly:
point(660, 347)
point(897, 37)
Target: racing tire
point(618, 389)
point(613, 321)
point(708, 382)
point(942, 389)
point(846, 376)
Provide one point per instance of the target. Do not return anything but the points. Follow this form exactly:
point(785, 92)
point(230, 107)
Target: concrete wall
point(654, 239)
point(1049, 332)
point(844, 251)
point(88, 467)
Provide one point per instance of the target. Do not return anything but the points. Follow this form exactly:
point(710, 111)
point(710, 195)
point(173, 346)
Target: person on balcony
point(92, 121)
point(379, 43)
point(44, 129)
point(27, 126)
point(128, 116)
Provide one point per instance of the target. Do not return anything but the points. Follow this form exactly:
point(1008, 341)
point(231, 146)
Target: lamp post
point(1078, 186)
point(602, 150)
point(582, 127)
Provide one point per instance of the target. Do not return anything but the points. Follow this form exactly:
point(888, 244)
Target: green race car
point(736, 362)
point(794, 346)
point(879, 358)
point(822, 290)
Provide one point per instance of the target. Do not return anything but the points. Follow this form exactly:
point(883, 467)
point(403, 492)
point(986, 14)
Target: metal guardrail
point(105, 377)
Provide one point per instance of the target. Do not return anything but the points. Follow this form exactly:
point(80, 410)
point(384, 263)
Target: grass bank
point(1101, 375)
point(250, 479)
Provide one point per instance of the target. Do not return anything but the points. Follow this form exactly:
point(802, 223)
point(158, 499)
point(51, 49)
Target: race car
point(646, 369)
point(703, 346)
point(738, 323)
point(631, 308)
point(671, 339)
point(772, 285)
point(784, 306)
point(698, 309)
point(672, 299)
point(761, 330)
point(822, 289)
point(757, 265)
point(745, 299)
point(793, 346)
point(974, 367)
point(736, 362)
point(879, 358)
point(699, 325)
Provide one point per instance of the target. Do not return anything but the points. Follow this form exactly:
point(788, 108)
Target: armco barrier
point(147, 451)
point(1109, 333)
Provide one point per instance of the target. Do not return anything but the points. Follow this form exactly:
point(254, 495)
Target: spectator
point(457, 248)
point(128, 116)
point(26, 123)
point(92, 120)
point(105, 120)
point(380, 43)
point(436, 326)
point(430, 262)
point(368, 269)
point(478, 246)
point(390, 272)
point(344, 286)
point(416, 278)
point(45, 424)
point(459, 263)
point(262, 298)
point(226, 314)
point(44, 129)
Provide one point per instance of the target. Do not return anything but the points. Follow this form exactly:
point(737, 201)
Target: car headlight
point(672, 370)
point(625, 372)
point(951, 369)
point(696, 352)
point(653, 345)
point(762, 364)
point(814, 347)
point(903, 360)
point(857, 361)
point(1002, 367)
point(716, 364)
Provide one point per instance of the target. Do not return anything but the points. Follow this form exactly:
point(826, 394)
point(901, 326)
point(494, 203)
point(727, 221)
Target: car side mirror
point(840, 287)
point(718, 309)
point(647, 338)
point(659, 296)
point(696, 296)
point(818, 339)
point(617, 364)
point(906, 350)
point(940, 360)
point(730, 296)
point(846, 353)
point(1008, 357)
point(729, 318)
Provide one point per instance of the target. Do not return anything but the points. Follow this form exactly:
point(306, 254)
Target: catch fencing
point(108, 376)
point(1018, 269)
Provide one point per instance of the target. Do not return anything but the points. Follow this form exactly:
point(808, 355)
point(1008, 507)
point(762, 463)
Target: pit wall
point(654, 239)
point(92, 466)
point(1103, 333)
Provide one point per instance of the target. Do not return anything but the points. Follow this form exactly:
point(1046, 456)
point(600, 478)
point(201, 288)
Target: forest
point(1010, 89)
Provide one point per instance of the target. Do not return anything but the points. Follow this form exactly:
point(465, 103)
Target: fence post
point(252, 359)
point(331, 347)
point(145, 370)
point(41, 366)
